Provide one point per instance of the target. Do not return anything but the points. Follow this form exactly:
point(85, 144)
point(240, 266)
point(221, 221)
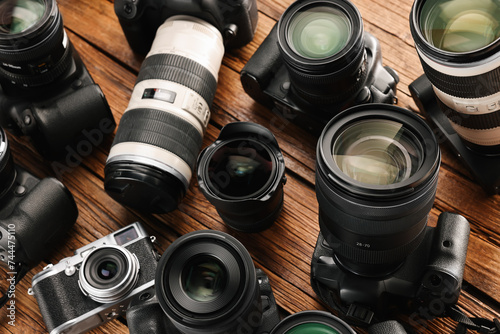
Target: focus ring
point(181, 70)
point(475, 122)
point(472, 87)
point(161, 129)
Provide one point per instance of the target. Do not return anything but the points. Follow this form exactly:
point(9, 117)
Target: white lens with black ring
point(160, 134)
point(458, 42)
point(108, 273)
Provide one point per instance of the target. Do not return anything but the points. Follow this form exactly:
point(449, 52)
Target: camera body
point(65, 292)
point(267, 80)
point(431, 277)
point(139, 19)
point(146, 316)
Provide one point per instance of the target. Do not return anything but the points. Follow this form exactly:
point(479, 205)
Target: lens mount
point(374, 196)
point(108, 273)
point(206, 281)
point(312, 322)
point(242, 175)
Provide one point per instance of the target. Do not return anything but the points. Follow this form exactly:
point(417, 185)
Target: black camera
point(206, 282)
point(160, 134)
point(376, 179)
point(46, 91)
point(317, 61)
point(34, 214)
point(98, 283)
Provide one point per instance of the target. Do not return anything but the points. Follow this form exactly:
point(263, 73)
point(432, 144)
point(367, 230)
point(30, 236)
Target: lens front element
point(318, 32)
point(17, 18)
point(204, 278)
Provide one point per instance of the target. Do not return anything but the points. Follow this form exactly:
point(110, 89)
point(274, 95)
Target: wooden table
point(283, 251)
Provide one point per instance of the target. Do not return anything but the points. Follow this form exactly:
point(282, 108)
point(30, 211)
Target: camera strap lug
point(481, 325)
point(359, 313)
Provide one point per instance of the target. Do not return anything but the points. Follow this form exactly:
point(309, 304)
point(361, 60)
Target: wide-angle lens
point(376, 179)
point(322, 46)
point(318, 32)
point(458, 42)
point(242, 175)
point(108, 273)
point(312, 322)
point(206, 283)
point(151, 161)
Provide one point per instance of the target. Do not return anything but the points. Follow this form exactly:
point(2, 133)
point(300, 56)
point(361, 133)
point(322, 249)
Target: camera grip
point(391, 327)
point(258, 71)
point(147, 317)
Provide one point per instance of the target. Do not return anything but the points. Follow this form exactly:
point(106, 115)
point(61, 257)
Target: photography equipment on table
point(97, 284)
point(46, 90)
point(160, 134)
point(242, 174)
point(206, 282)
point(34, 216)
point(458, 43)
point(376, 179)
point(317, 61)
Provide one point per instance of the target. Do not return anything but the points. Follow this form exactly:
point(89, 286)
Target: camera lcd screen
point(126, 236)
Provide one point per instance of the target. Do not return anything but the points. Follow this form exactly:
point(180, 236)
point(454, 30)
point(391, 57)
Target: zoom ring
point(475, 122)
point(161, 129)
point(472, 87)
point(181, 70)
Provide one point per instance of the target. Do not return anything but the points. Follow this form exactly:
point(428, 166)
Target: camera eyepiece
point(312, 322)
point(458, 43)
point(206, 281)
point(377, 168)
point(242, 175)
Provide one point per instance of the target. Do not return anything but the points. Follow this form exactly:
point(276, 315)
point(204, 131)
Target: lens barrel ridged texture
point(465, 87)
point(476, 122)
point(161, 129)
point(180, 70)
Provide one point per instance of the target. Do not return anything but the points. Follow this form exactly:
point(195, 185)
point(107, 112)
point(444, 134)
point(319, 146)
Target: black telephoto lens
point(458, 42)
point(312, 322)
point(242, 174)
point(206, 283)
point(376, 179)
point(322, 45)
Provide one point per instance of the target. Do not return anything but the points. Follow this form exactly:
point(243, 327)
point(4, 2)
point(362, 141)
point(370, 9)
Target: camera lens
point(206, 283)
point(377, 168)
point(322, 46)
point(458, 43)
point(312, 322)
point(34, 48)
point(7, 170)
point(242, 175)
point(159, 137)
point(108, 273)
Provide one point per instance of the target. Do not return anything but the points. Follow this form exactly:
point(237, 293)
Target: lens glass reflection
point(18, 16)
point(204, 278)
point(318, 32)
point(378, 152)
point(312, 328)
point(460, 25)
point(240, 168)
point(107, 270)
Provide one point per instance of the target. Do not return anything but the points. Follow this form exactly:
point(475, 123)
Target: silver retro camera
point(97, 283)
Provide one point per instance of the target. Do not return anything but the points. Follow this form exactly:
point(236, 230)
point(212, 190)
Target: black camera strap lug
point(359, 313)
point(481, 325)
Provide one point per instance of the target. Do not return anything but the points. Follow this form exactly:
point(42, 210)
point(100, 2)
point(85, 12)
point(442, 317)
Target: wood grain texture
point(283, 251)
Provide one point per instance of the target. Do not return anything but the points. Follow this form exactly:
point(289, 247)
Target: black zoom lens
point(323, 48)
point(206, 283)
point(312, 322)
point(34, 48)
point(242, 175)
point(377, 168)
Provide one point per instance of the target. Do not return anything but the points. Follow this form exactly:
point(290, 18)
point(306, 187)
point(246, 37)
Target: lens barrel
point(322, 46)
point(206, 283)
point(7, 169)
point(242, 174)
point(159, 137)
point(34, 48)
point(458, 43)
point(376, 178)
point(312, 322)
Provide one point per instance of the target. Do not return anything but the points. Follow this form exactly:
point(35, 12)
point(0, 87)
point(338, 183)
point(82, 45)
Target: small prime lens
point(242, 175)
point(312, 322)
point(322, 46)
point(151, 161)
point(458, 42)
point(206, 283)
point(108, 273)
point(377, 168)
